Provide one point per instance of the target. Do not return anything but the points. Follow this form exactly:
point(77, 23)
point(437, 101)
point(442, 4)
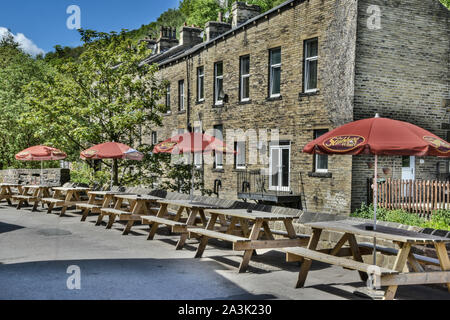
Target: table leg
point(204, 239)
point(112, 218)
point(444, 260)
point(154, 226)
point(400, 262)
point(267, 231)
point(254, 235)
point(137, 208)
point(306, 264)
point(356, 254)
point(190, 222)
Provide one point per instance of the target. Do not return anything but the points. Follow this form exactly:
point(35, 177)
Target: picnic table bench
point(31, 193)
point(245, 238)
point(139, 205)
point(96, 201)
point(6, 192)
point(163, 217)
point(392, 278)
point(71, 198)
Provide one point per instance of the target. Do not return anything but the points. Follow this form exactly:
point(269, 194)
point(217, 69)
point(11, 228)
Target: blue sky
point(41, 24)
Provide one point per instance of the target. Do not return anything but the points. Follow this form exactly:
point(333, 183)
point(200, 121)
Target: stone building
point(301, 69)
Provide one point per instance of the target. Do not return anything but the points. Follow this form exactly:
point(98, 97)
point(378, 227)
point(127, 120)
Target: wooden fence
point(415, 196)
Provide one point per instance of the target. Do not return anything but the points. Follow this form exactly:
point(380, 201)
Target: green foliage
point(446, 3)
point(17, 69)
point(440, 219)
point(81, 172)
point(104, 95)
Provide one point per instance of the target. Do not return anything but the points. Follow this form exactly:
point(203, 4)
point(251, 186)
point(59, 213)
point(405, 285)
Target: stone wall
point(403, 73)
point(51, 177)
point(295, 114)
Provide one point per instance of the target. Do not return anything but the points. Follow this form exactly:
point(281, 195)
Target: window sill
point(221, 170)
point(307, 94)
point(181, 112)
point(275, 98)
point(239, 169)
point(200, 101)
point(244, 102)
point(320, 174)
point(167, 114)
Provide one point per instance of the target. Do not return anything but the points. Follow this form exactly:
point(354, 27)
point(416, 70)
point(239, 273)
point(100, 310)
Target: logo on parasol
point(89, 153)
point(166, 145)
point(23, 154)
point(440, 145)
point(343, 143)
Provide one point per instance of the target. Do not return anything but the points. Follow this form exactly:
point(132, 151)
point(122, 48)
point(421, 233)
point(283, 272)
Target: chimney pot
point(243, 12)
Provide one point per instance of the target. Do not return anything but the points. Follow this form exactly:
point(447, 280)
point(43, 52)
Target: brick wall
point(403, 73)
point(296, 118)
point(51, 177)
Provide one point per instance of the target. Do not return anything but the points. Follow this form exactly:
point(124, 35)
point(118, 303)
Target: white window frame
point(243, 77)
point(238, 149)
point(316, 156)
point(272, 67)
point(198, 155)
point(217, 166)
point(279, 149)
point(181, 95)
point(200, 76)
point(307, 60)
point(168, 96)
point(154, 137)
point(217, 102)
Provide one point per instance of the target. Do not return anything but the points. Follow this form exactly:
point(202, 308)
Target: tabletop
point(10, 185)
point(253, 215)
point(71, 188)
point(36, 186)
point(137, 197)
point(188, 204)
point(107, 193)
point(381, 232)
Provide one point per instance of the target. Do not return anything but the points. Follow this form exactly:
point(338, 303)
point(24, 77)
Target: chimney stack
point(242, 12)
point(213, 29)
point(190, 36)
point(167, 39)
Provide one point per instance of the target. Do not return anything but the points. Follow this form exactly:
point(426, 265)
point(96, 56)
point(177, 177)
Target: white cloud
point(26, 44)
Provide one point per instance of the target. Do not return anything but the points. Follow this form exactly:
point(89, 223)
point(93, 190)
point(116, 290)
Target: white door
point(279, 174)
point(408, 168)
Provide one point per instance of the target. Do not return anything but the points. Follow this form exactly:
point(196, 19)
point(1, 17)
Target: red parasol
point(192, 142)
point(111, 150)
point(40, 153)
point(379, 136)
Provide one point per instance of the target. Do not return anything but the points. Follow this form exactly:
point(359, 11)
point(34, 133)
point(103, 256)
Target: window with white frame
point(245, 78)
point(198, 155)
point(218, 83)
point(154, 137)
point(168, 97)
point(181, 95)
point(320, 160)
point(218, 155)
point(200, 84)
point(239, 157)
point(311, 62)
point(275, 73)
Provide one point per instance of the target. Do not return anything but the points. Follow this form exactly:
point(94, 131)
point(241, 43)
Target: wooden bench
point(206, 234)
point(21, 199)
point(86, 207)
point(176, 226)
point(393, 252)
point(330, 259)
point(112, 213)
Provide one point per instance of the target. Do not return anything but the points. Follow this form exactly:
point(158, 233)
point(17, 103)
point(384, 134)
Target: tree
point(446, 3)
point(16, 70)
point(107, 94)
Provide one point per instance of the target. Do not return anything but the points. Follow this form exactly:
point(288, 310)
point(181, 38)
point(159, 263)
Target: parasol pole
point(375, 198)
point(42, 171)
point(192, 178)
point(112, 174)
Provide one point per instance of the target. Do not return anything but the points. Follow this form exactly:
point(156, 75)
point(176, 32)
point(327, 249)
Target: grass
point(440, 219)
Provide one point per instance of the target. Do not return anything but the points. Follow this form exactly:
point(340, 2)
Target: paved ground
point(36, 250)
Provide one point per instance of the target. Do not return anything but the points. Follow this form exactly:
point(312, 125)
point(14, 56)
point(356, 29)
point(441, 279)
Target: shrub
point(81, 172)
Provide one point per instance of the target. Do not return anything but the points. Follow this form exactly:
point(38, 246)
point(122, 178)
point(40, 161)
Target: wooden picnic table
point(246, 230)
point(32, 193)
point(163, 217)
point(391, 278)
point(96, 201)
point(64, 197)
point(138, 205)
point(6, 191)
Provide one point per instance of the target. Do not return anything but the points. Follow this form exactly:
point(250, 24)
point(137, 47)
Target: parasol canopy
point(40, 153)
point(111, 150)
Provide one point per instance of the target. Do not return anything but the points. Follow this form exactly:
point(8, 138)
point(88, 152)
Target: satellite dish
point(227, 15)
point(202, 34)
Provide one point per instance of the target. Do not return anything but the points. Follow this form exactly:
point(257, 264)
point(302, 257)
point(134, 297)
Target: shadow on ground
point(6, 227)
point(142, 279)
